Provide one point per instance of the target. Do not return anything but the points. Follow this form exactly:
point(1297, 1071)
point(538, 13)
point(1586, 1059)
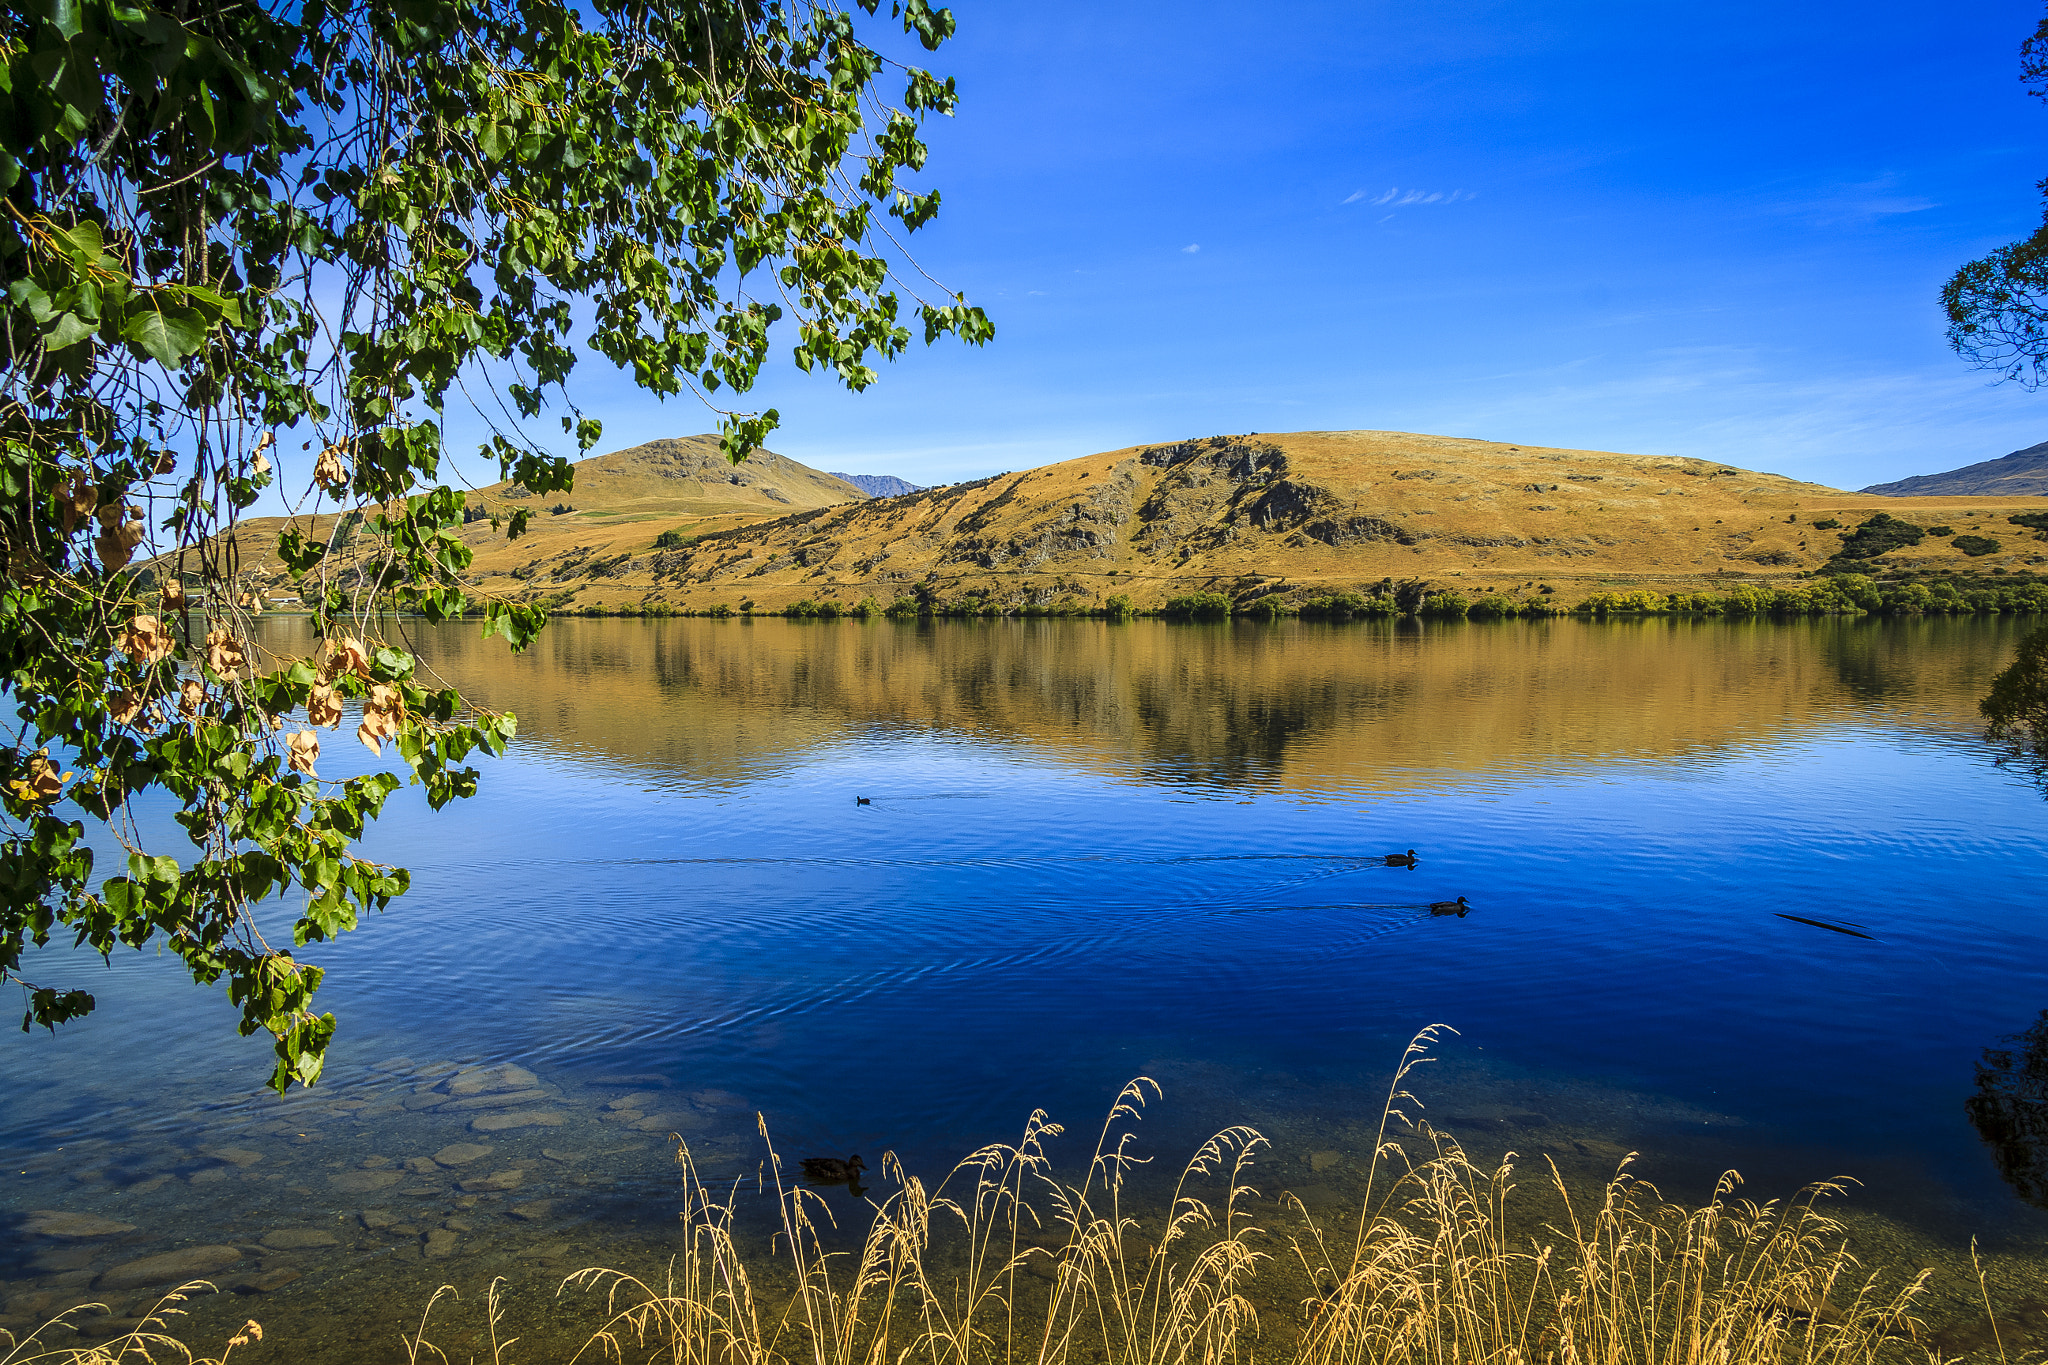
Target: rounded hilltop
point(1305, 512)
point(669, 525)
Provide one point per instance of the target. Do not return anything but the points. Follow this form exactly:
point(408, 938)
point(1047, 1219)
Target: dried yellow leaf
point(323, 706)
point(145, 640)
point(224, 652)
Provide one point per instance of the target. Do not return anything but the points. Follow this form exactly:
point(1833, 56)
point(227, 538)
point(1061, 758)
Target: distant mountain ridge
point(2022, 473)
point(879, 485)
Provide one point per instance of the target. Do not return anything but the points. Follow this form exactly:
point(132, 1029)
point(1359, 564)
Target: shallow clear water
point(1092, 852)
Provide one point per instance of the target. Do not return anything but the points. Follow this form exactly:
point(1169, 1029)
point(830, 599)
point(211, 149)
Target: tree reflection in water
point(2010, 1110)
point(2016, 710)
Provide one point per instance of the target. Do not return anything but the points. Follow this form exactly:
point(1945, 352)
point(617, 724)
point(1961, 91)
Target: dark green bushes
point(1975, 545)
point(1447, 605)
point(1341, 606)
point(1493, 607)
point(2037, 522)
point(1881, 534)
point(1842, 594)
point(1267, 608)
point(1197, 606)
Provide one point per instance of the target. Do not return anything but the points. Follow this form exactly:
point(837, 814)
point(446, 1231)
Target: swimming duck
point(832, 1168)
point(860, 801)
point(1456, 907)
point(1401, 859)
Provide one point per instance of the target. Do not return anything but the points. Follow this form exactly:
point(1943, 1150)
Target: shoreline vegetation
point(1443, 1259)
point(1833, 595)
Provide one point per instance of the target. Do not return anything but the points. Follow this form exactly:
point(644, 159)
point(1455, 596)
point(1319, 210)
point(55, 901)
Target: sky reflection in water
point(1097, 851)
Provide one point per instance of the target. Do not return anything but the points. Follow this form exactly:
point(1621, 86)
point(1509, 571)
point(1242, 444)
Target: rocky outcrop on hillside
point(1247, 516)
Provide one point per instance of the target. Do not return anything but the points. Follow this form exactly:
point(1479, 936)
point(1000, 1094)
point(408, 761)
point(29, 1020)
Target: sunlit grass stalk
point(1440, 1267)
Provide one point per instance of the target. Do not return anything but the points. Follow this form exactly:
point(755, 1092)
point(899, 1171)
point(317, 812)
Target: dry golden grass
point(1322, 510)
point(1005, 1261)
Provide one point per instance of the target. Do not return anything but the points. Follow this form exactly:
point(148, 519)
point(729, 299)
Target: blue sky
point(1715, 230)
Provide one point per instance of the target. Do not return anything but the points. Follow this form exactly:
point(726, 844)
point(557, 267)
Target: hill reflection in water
point(1299, 708)
point(1094, 852)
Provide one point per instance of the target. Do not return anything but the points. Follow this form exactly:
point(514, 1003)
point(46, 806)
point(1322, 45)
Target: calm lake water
point(1087, 853)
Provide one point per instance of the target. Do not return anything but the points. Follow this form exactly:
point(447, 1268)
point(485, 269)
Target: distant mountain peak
point(879, 485)
point(2023, 472)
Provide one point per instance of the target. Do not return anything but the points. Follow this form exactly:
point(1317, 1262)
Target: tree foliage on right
point(1997, 305)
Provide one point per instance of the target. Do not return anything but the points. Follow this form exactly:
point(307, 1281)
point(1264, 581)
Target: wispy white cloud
point(1855, 202)
point(1191, 248)
point(1400, 198)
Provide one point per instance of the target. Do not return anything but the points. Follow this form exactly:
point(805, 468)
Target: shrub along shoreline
point(1840, 594)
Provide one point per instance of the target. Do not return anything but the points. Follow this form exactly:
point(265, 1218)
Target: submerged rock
point(508, 1100)
point(530, 1118)
point(362, 1182)
point(717, 1099)
point(492, 1080)
point(299, 1239)
point(72, 1226)
point(262, 1282)
point(235, 1156)
point(171, 1267)
point(496, 1180)
point(462, 1153)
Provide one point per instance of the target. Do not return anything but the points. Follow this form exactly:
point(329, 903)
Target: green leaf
point(69, 331)
point(165, 336)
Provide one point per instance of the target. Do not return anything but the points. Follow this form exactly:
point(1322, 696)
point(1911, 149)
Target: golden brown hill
point(683, 484)
point(682, 477)
point(1298, 513)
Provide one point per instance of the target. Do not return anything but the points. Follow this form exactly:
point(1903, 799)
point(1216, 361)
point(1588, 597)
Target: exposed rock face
point(1090, 526)
point(2024, 472)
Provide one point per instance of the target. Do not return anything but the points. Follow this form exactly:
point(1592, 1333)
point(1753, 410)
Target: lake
point(1751, 895)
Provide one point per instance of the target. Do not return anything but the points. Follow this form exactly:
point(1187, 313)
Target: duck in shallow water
point(1401, 859)
point(832, 1168)
point(1456, 907)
